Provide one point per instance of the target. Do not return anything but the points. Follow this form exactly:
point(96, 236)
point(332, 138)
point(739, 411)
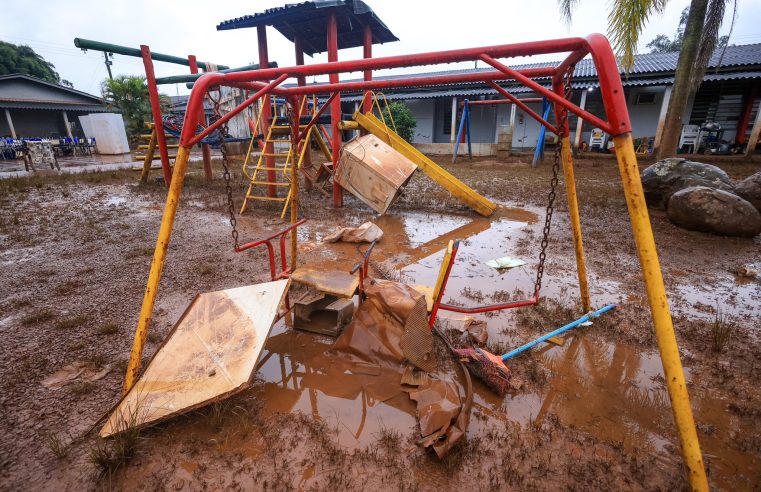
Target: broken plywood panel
point(211, 353)
point(334, 282)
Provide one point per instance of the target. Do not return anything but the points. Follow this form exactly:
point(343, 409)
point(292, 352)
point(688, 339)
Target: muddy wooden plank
point(335, 282)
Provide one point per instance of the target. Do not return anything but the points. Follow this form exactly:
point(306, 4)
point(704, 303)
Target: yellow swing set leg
point(656, 294)
point(157, 266)
point(573, 211)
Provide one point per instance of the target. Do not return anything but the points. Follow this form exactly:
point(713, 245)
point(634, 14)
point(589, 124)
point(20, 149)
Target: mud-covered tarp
point(371, 347)
point(366, 233)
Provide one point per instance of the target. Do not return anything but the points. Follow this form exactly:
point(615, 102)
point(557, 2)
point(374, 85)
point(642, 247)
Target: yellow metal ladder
point(282, 164)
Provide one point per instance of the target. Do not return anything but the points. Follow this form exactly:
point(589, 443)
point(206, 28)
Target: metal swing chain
point(230, 203)
point(226, 174)
point(553, 188)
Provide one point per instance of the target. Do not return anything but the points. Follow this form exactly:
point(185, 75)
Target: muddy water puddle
point(612, 390)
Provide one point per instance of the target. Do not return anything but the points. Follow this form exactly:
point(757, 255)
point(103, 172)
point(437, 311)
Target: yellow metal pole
point(157, 265)
point(148, 162)
point(573, 211)
point(295, 165)
point(656, 294)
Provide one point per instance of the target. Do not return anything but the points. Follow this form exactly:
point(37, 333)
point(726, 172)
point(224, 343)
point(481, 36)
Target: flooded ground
point(592, 413)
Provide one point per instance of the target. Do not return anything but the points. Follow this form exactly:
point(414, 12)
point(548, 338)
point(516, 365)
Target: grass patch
point(111, 454)
point(69, 323)
point(38, 317)
point(722, 330)
point(108, 329)
point(55, 444)
point(389, 439)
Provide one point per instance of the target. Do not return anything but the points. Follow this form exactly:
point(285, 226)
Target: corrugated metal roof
point(646, 63)
point(462, 90)
point(309, 21)
point(88, 108)
point(21, 76)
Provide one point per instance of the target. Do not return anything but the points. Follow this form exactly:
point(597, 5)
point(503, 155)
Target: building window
point(646, 98)
point(446, 128)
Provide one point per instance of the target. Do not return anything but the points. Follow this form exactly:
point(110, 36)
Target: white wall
point(644, 117)
point(424, 111)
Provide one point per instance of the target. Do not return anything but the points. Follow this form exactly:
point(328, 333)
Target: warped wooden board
point(335, 282)
point(457, 188)
point(211, 353)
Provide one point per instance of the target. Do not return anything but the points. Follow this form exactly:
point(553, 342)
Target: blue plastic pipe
point(557, 332)
point(539, 152)
point(464, 126)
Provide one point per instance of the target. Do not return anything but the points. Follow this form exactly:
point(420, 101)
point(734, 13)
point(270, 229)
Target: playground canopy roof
point(309, 22)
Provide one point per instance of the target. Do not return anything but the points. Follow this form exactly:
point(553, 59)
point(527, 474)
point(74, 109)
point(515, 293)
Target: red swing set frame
point(268, 81)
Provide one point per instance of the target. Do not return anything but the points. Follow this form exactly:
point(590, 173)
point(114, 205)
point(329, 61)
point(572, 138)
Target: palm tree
point(627, 19)
point(130, 95)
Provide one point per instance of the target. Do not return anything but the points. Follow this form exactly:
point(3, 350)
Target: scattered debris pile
point(388, 346)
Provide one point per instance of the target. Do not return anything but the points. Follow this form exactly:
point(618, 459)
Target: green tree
point(663, 44)
point(23, 59)
point(402, 118)
point(130, 95)
point(627, 19)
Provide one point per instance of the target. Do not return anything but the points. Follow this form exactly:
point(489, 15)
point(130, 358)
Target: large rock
point(666, 177)
point(700, 208)
point(750, 189)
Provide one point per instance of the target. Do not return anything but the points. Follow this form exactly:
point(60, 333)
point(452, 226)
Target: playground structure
point(157, 137)
point(463, 129)
point(267, 82)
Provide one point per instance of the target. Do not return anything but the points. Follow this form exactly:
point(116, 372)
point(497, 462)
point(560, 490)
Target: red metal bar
point(493, 307)
point(302, 81)
point(317, 116)
point(261, 36)
point(503, 101)
point(548, 94)
point(415, 81)
point(158, 124)
point(742, 126)
point(191, 140)
point(563, 130)
point(251, 86)
point(205, 149)
point(363, 267)
point(523, 106)
point(297, 45)
point(335, 108)
point(399, 61)
point(610, 84)
point(367, 52)
point(259, 242)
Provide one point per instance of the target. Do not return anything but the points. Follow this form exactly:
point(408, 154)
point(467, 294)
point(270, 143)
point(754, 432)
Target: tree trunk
point(672, 128)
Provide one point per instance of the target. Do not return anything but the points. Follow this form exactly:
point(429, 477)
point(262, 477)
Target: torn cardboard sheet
point(375, 338)
point(76, 372)
point(366, 233)
point(505, 262)
point(475, 328)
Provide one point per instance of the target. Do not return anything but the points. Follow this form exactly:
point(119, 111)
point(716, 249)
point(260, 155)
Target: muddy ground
point(593, 413)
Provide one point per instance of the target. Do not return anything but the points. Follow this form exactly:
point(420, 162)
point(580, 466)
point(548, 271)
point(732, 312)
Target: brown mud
point(592, 413)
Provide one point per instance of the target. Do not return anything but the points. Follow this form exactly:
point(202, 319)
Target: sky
point(188, 27)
